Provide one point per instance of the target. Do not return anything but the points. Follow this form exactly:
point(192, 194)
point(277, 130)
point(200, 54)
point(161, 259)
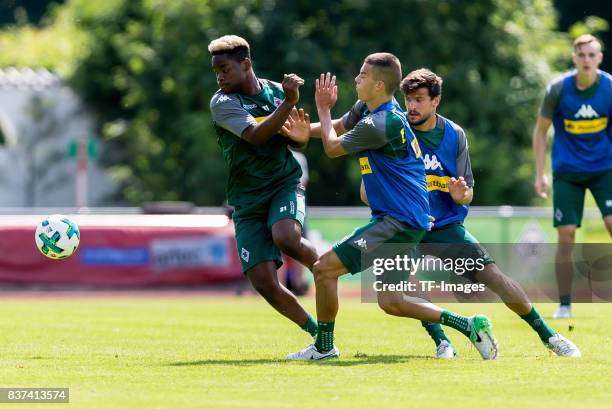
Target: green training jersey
point(256, 172)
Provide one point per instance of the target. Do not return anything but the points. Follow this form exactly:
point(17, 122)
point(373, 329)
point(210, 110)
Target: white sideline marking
point(124, 220)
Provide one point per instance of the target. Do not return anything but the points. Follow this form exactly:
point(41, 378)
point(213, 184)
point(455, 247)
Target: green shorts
point(568, 195)
point(455, 242)
point(357, 250)
point(253, 226)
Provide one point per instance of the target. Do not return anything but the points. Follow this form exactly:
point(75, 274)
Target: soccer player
point(394, 178)
point(579, 106)
point(249, 114)
point(451, 187)
point(295, 280)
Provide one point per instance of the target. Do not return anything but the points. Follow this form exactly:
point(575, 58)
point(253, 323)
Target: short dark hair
point(235, 47)
point(422, 78)
point(388, 69)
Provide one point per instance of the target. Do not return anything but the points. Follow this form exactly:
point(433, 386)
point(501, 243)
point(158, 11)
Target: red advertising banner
point(139, 250)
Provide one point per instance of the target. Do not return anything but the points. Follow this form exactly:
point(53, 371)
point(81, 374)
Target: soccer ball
point(57, 237)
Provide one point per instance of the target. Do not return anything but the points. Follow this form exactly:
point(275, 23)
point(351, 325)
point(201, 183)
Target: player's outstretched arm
point(266, 129)
point(315, 128)
point(539, 150)
point(459, 190)
point(297, 128)
point(326, 95)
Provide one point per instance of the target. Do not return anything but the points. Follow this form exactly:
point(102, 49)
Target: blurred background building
point(42, 122)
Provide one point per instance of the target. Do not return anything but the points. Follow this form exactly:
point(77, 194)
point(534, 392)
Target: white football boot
point(564, 311)
point(563, 346)
point(310, 353)
point(445, 350)
point(481, 335)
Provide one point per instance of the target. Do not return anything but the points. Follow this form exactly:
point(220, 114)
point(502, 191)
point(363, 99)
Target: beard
point(420, 121)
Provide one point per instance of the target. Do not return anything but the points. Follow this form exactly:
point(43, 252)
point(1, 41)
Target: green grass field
point(486, 229)
point(228, 352)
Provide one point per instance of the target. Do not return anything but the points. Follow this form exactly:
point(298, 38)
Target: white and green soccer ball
point(57, 237)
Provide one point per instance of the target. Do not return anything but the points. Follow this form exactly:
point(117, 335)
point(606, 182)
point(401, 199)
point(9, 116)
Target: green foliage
point(146, 71)
point(58, 45)
point(590, 25)
point(144, 74)
point(495, 58)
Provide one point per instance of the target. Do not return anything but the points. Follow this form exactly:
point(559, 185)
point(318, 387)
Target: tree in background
point(24, 11)
point(144, 68)
point(495, 58)
point(587, 16)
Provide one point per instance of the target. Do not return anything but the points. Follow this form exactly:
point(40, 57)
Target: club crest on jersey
point(245, 255)
point(277, 101)
point(586, 111)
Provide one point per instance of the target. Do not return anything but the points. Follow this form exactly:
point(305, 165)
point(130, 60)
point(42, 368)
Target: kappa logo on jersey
point(368, 120)
point(431, 163)
point(244, 254)
point(362, 243)
point(587, 122)
point(586, 111)
point(222, 98)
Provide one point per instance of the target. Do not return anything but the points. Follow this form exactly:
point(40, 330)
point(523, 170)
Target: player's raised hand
point(541, 186)
point(326, 91)
point(297, 126)
point(458, 189)
point(291, 84)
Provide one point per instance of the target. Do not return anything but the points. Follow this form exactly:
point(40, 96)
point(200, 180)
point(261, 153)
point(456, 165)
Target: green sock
point(325, 337)
point(535, 320)
point(459, 322)
point(310, 326)
point(435, 331)
point(565, 299)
